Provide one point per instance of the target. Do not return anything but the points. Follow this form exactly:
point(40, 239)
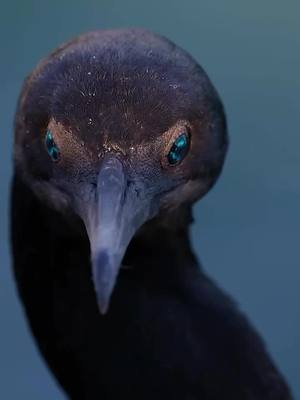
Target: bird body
point(118, 109)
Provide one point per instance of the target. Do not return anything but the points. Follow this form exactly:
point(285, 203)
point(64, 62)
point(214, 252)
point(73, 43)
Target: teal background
point(247, 229)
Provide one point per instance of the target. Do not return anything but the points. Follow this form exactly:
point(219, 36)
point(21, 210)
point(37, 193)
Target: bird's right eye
point(51, 146)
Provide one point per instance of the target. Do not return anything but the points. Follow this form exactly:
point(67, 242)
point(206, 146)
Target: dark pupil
point(179, 149)
point(51, 146)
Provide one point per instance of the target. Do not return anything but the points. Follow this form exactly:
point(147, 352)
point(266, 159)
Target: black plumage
point(114, 102)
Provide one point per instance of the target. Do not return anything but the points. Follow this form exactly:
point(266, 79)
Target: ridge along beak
point(118, 210)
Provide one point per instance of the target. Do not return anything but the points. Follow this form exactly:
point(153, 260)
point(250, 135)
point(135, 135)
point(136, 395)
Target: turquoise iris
point(51, 146)
point(179, 149)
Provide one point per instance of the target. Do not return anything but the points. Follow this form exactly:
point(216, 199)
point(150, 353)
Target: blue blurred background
point(247, 229)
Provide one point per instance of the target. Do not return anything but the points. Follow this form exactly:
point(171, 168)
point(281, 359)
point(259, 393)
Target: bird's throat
point(160, 246)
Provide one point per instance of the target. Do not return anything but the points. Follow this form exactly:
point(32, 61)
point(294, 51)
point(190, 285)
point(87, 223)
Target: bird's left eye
point(51, 146)
point(179, 149)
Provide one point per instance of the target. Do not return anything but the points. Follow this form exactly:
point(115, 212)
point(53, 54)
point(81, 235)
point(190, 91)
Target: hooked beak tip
point(103, 306)
point(105, 273)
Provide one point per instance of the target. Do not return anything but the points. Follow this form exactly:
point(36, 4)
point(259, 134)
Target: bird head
point(118, 127)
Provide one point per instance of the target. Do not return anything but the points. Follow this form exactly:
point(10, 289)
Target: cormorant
point(117, 134)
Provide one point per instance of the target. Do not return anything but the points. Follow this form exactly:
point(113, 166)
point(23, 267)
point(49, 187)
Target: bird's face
point(119, 147)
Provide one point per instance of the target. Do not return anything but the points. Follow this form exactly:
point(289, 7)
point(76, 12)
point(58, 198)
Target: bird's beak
point(120, 207)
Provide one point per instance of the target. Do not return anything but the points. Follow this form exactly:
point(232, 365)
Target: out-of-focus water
point(247, 229)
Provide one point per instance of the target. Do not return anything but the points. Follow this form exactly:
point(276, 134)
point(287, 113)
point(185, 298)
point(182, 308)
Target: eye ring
point(179, 148)
point(51, 146)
